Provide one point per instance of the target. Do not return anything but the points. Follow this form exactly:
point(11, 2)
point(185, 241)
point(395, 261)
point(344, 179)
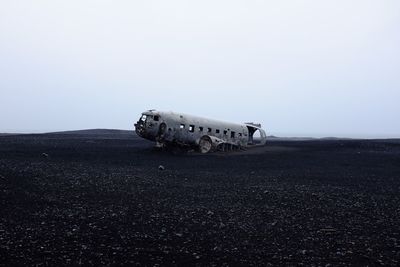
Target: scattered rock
point(161, 168)
point(179, 234)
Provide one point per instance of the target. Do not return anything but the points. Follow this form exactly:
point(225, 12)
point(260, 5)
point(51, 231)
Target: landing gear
point(162, 129)
point(160, 136)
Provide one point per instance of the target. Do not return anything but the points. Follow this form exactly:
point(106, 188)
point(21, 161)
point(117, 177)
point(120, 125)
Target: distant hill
point(96, 132)
point(7, 134)
point(329, 138)
point(80, 132)
point(276, 138)
point(335, 138)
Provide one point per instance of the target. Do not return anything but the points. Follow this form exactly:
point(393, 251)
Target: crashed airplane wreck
point(177, 130)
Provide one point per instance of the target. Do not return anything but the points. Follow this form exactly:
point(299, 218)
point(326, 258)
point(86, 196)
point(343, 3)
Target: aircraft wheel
point(205, 144)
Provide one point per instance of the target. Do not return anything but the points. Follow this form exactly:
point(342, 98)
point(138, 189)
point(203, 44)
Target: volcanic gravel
point(72, 199)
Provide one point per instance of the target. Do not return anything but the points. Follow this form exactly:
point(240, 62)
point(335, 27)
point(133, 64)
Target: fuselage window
point(225, 132)
point(209, 130)
point(200, 129)
point(240, 134)
point(217, 131)
point(156, 118)
point(232, 134)
point(191, 128)
point(182, 126)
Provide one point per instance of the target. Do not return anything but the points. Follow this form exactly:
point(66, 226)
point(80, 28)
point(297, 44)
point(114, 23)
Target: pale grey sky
point(316, 68)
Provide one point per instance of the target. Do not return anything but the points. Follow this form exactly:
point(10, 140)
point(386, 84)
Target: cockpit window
point(143, 118)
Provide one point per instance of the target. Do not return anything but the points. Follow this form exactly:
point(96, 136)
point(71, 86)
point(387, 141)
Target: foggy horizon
point(307, 69)
point(269, 133)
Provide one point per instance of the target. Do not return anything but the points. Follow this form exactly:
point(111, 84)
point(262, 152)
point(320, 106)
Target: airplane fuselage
point(168, 128)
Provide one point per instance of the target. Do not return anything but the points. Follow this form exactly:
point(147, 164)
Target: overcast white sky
point(315, 68)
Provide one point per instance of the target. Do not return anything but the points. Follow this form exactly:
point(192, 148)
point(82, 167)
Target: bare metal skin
point(169, 129)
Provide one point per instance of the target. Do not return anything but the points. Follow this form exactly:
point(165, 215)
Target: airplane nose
point(139, 129)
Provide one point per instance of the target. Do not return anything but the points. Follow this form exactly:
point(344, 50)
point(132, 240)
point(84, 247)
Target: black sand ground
point(100, 199)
